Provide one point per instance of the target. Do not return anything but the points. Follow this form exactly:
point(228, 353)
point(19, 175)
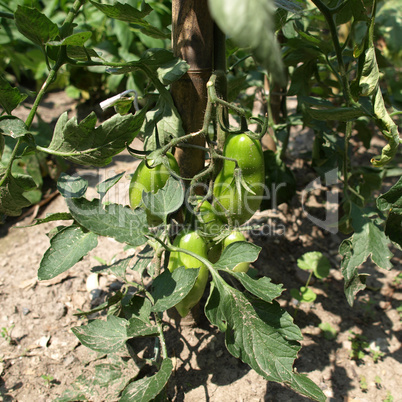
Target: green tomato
point(210, 223)
point(191, 241)
point(149, 180)
point(232, 238)
point(248, 153)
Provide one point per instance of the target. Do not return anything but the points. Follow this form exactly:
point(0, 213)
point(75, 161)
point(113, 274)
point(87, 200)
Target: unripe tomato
point(248, 153)
point(149, 180)
point(232, 238)
point(191, 241)
point(210, 223)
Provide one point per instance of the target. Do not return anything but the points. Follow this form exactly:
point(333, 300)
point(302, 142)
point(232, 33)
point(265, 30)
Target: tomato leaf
point(170, 288)
point(144, 259)
point(370, 73)
point(35, 26)
point(166, 200)
point(123, 12)
point(161, 124)
point(57, 216)
point(391, 201)
point(103, 336)
point(262, 287)
point(388, 128)
point(12, 194)
point(77, 39)
point(13, 126)
point(236, 253)
point(72, 186)
point(10, 97)
point(251, 24)
point(86, 145)
point(367, 241)
point(138, 326)
point(147, 389)
point(112, 220)
point(261, 334)
point(106, 185)
point(67, 247)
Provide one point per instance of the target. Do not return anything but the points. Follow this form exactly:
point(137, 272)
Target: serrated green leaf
point(367, 241)
point(236, 253)
point(261, 334)
point(170, 288)
point(263, 288)
point(13, 126)
point(112, 220)
point(251, 24)
point(166, 200)
point(72, 186)
point(147, 389)
point(84, 144)
point(172, 70)
point(315, 261)
point(10, 97)
point(77, 39)
point(106, 185)
point(103, 336)
point(127, 13)
point(35, 26)
point(162, 121)
point(12, 198)
point(67, 247)
point(123, 12)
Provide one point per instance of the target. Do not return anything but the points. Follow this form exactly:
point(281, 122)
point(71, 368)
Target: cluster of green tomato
point(234, 202)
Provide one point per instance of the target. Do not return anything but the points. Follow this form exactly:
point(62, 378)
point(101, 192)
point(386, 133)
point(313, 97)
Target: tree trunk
point(192, 37)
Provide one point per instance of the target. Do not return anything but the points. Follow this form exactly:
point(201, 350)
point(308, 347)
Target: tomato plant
point(203, 176)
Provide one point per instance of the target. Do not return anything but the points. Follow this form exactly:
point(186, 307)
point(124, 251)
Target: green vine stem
point(346, 160)
point(328, 14)
point(9, 16)
point(10, 163)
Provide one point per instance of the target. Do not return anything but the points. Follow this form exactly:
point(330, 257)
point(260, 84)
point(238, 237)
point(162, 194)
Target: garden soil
point(40, 357)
